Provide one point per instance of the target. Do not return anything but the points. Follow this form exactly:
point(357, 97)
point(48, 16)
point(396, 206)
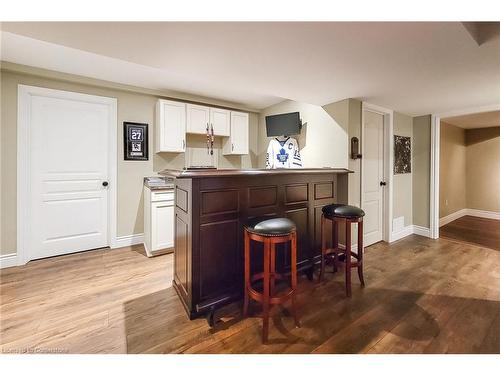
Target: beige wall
point(483, 169)
point(421, 170)
point(136, 106)
point(452, 160)
point(402, 183)
point(322, 142)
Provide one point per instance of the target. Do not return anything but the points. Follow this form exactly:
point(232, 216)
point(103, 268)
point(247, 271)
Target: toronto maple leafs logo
point(282, 156)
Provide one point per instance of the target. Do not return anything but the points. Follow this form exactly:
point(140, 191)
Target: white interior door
point(373, 176)
point(68, 164)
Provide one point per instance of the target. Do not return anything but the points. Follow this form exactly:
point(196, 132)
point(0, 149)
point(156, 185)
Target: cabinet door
point(170, 126)
point(198, 118)
point(220, 120)
point(239, 133)
point(162, 225)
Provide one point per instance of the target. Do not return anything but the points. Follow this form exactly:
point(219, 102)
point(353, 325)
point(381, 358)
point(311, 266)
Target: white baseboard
point(453, 216)
point(411, 229)
point(484, 214)
point(8, 260)
point(11, 260)
point(133, 239)
point(421, 231)
point(469, 212)
point(406, 231)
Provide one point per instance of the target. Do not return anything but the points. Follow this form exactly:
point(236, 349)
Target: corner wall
point(322, 142)
point(421, 170)
point(452, 169)
point(483, 169)
point(402, 206)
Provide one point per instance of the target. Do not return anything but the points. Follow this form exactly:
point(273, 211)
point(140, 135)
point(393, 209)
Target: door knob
point(105, 183)
point(383, 183)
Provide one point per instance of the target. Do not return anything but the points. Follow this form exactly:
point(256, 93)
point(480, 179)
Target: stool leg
point(247, 274)
point(294, 279)
point(265, 297)
point(335, 236)
point(323, 247)
point(273, 269)
point(360, 252)
point(348, 258)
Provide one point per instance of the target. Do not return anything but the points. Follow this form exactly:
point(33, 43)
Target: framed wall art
point(135, 141)
point(402, 154)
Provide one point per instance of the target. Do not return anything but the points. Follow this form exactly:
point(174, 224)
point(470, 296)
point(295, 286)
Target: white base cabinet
point(158, 221)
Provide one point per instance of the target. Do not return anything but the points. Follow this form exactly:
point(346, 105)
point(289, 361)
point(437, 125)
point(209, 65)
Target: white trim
point(421, 231)
point(484, 214)
point(469, 212)
point(388, 162)
point(435, 148)
point(132, 239)
point(406, 231)
point(9, 260)
point(434, 178)
point(23, 157)
point(453, 216)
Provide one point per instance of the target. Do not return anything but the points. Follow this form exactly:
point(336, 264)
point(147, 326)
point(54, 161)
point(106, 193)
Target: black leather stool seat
point(342, 210)
point(271, 227)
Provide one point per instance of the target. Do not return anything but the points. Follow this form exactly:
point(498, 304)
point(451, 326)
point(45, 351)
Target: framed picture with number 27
point(135, 141)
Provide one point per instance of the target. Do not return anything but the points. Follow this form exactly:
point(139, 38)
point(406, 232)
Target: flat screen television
point(283, 124)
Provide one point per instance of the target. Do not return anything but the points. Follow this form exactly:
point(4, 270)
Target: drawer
point(162, 195)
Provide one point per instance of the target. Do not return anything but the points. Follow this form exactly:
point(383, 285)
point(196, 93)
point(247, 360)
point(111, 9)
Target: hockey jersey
point(283, 154)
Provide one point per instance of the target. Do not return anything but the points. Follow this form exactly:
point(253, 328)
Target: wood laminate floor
point(422, 296)
point(475, 230)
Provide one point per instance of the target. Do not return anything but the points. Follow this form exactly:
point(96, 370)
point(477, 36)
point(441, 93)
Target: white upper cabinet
point(175, 119)
point(220, 120)
point(198, 118)
point(170, 126)
point(237, 143)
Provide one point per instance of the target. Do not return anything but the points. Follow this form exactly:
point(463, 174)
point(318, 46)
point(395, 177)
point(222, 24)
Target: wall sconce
point(355, 148)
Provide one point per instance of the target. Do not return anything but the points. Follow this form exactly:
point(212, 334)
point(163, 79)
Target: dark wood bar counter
point(211, 207)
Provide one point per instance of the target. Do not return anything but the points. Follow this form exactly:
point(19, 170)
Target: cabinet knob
point(232, 146)
point(105, 183)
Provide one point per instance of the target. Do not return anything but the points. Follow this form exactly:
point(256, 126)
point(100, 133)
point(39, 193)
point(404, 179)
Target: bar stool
point(349, 214)
point(270, 232)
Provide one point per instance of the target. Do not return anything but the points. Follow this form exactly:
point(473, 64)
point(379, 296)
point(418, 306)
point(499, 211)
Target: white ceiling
point(414, 68)
point(475, 120)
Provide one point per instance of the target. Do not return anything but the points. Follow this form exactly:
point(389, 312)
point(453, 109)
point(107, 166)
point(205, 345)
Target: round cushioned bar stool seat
point(342, 210)
point(271, 227)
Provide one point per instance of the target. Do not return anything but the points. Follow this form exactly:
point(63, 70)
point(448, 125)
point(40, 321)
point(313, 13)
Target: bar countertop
point(199, 173)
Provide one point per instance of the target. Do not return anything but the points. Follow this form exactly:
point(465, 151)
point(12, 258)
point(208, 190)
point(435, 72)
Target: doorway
point(66, 172)
point(469, 156)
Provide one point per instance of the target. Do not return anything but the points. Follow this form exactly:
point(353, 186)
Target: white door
point(220, 120)
point(68, 169)
point(373, 177)
point(170, 126)
point(239, 133)
point(198, 118)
